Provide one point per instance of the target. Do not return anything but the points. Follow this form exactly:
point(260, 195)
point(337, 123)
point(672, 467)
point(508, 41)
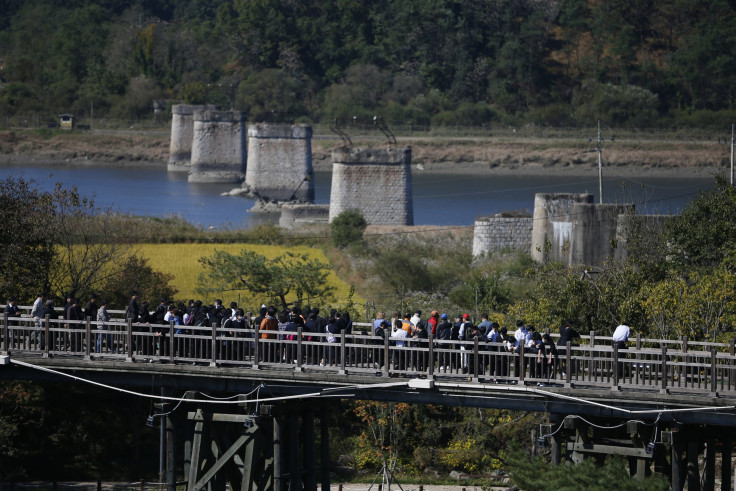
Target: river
point(438, 199)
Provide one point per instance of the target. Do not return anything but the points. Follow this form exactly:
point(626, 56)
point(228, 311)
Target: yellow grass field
point(182, 261)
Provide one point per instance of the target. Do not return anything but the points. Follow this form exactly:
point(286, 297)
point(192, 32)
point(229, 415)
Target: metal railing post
point(430, 357)
point(129, 336)
point(256, 345)
point(615, 366)
point(343, 354)
point(568, 363)
point(386, 353)
point(87, 337)
point(731, 351)
point(299, 348)
point(476, 359)
point(46, 340)
point(591, 364)
point(713, 373)
point(172, 346)
point(663, 387)
point(522, 361)
point(213, 357)
point(6, 334)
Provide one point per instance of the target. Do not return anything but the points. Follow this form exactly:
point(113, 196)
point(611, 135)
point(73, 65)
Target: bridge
point(669, 406)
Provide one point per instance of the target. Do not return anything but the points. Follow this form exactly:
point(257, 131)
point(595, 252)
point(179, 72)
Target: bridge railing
point(665, 366)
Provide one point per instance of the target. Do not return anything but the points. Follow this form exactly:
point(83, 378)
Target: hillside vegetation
point(428, 62)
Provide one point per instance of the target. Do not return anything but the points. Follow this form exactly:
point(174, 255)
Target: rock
point(432, 473)
point(456, 475)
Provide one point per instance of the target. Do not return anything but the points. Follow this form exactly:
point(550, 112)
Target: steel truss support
point(272, 450)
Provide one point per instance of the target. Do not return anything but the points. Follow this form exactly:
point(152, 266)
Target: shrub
point(347, 228)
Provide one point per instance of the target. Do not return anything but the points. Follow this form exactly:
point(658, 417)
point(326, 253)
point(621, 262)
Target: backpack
point(469, 331)
point(159, 314)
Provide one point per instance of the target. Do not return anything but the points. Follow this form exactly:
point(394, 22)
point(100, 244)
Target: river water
point(438, 199)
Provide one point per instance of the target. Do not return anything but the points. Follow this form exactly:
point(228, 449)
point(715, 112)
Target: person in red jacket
point(434, 319)
point(269, 329)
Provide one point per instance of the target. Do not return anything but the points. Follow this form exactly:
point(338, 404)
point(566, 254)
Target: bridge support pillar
point(693, 472)
point(726, 450)
point(709, 477)
point(677, 469)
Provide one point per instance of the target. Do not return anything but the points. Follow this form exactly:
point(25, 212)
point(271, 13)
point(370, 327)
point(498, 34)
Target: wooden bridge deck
point(677, 380)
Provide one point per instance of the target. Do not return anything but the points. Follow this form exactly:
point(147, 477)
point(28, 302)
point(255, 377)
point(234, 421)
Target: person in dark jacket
point(73, 313)
point(90, 310)
point(133, 310)
point(547, 356)
point(422, 355)
point(567, 333)
point(444, 333)
point(50, 312)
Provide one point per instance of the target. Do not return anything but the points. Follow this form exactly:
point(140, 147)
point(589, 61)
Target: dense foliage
point(65, 431)
point(439, 62)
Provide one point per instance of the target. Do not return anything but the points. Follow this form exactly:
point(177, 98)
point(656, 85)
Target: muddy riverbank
point(481, 155)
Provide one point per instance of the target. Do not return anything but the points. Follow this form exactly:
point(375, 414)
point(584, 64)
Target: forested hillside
point(439, 62)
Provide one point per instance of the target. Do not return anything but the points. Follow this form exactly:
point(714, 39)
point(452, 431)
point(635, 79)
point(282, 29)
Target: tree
point(705, 232)
point(347, 228)
point(533, 473)
point(385, 428)
point(134, 273)
point(90, 246)
point(26, 247)
point(483, 291)
point(289, 273)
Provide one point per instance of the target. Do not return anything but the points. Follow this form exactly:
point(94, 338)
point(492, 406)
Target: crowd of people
point(542, 355)
point(544, 361)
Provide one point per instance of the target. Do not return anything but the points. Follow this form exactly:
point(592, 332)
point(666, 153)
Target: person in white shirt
point(399, 355)
point(37, 310)
point(521, 335)
point(620, 336)
point(37, 314)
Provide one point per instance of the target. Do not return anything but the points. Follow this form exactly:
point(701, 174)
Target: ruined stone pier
point(218, 146)
point(376, 182)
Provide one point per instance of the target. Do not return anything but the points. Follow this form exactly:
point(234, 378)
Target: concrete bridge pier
point(375, 181)
point(182, 134)
point(273, 449)
point(280, 162)
point(218, 147)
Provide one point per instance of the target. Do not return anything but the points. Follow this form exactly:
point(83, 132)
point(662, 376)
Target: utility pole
point(599, 149)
